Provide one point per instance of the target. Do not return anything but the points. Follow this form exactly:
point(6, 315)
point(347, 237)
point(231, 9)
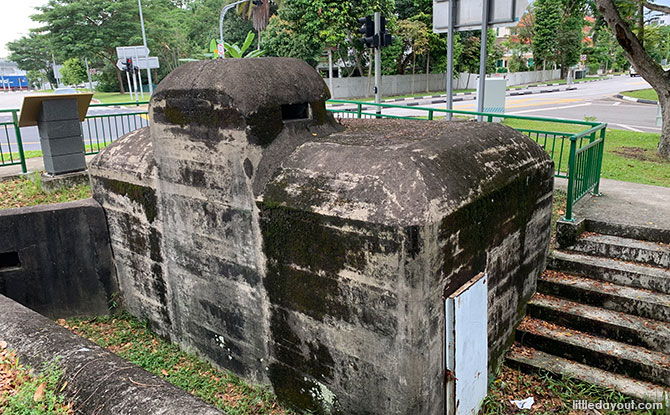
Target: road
point(98, 129)
point(593, 99)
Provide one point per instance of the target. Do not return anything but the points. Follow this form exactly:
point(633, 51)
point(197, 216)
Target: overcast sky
point(15, 21)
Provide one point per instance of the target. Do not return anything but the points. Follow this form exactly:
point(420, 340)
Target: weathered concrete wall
point(314, 256)
point(95, 380)
point(56, 259)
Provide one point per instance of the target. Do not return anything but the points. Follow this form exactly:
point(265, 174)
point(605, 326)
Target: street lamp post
point(223, 14)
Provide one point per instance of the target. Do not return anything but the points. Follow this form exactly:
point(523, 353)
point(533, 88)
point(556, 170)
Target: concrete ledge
point(98, 381)
point(567, 232)
point(638, 100)
point(52, 184)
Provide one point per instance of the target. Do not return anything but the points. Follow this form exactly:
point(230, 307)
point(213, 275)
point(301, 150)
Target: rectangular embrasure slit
point(9, 260)
point(298, 111)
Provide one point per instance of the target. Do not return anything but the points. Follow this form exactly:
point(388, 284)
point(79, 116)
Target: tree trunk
point(413, 70)
point(640, 23)
point(120, 79)
point(651, 71)
point(367, 90)
point(428, 71)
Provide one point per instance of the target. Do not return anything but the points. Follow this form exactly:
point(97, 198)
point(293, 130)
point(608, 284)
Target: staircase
point(602, 313)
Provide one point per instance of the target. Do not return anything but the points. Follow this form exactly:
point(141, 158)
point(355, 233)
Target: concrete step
point(626, 249)
point(605, 354)
point(611, 270)
point(638, 331)
point(527, 358)
point(645, 233)
point(634, 301)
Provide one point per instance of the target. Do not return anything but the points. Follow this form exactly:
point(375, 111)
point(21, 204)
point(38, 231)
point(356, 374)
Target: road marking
point(617, 103)
point(628, 127)
point(551, 109)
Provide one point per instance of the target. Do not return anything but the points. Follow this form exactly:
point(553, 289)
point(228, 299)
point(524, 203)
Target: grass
point(649, 94)
point(27, 191)
point(417, 94)
point(552, 394)
point(132, 340)
point(629, 156)
point(23, 393)
point(105, 97)
point(29, 154)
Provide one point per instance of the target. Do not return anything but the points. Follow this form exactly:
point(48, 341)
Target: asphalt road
point(593, 99)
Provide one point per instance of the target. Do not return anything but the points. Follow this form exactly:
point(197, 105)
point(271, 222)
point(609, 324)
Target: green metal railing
point(577, 155)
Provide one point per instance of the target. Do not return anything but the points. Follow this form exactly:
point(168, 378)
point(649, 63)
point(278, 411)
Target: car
point(60, 91)
point(633, 72)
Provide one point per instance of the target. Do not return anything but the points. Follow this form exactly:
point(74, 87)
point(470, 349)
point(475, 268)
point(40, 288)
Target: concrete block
point(59, 129)
point(61, 146)
point(58, 110)
point(52, 184)
point(567, 232)
point(65, 163)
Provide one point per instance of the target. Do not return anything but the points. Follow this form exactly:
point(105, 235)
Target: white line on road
point(628, 127)
point(550, 109)
point(616, 103)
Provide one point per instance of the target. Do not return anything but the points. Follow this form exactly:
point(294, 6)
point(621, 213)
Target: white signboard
point(143, 63)
point(469, 14)
point(125, 52)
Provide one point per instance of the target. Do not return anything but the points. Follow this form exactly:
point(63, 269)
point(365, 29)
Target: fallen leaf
point(39, 393)
point(3, 345)
point(164, 372)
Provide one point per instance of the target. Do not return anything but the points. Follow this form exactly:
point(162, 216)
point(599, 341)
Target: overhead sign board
point(468, 14)
point(125, 52)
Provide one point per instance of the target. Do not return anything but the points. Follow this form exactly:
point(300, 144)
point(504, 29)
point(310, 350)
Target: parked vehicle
point(633, 72)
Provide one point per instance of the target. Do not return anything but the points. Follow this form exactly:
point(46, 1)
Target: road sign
point(125, 52)
point(468, 14)
point(583, 58)
point(220, 49)
point(143, 63)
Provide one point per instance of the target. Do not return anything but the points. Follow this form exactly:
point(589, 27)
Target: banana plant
point(234, 51)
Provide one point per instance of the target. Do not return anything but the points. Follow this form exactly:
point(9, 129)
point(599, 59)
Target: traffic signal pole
point(482, 59)
point(450, 58)
point(378, 63)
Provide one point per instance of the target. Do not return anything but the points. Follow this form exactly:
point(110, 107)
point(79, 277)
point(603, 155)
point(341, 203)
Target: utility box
point(495, 92)
point(348, 265)
point(58, 119)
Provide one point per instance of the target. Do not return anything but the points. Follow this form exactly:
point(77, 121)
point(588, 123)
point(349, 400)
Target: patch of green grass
point(418, 94)
point(116, 97)
point(629, 156)
point(649, 94)
point(23, 393)
point(29, 154)
point(27, 191)
point(132, 340)
point(552, 394)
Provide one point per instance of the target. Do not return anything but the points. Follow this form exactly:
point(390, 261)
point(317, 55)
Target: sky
point(15, 20)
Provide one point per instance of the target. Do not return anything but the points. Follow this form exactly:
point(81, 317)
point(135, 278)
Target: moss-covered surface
point(143, 195)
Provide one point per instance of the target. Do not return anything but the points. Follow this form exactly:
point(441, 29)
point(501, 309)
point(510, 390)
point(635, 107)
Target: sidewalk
point(32, 164)
point(625, 203)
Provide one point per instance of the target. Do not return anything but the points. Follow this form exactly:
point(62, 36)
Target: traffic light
point(368, 29)
point(386, 38)
point(128, 65)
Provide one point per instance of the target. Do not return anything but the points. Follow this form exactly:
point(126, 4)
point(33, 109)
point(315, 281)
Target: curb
point(638, 100)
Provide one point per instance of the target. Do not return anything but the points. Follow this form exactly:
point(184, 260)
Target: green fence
point(575, 146)
point(577, 150)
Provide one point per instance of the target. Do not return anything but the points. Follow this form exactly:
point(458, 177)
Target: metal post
point(130, 86)
point(135, 85)
point(450, 59)
point(330, 70)
point(378, 63)
point(138, 74)
point(19, 142)
point(223, 14)
point(482, 58)
point(144, 39)
point(2, 76)
point(88, 72)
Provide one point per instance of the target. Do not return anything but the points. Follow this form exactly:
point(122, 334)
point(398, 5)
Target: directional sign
point(125, 52)
point(469, 14)
point(143, 63)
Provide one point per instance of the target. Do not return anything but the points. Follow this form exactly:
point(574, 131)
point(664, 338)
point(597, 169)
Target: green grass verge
point(27, 191)
point(649, 94)
point(25, 393)
point(105, 97)
point(629, 156)
point(418, 94)
point(38, 153)
point(132, 340)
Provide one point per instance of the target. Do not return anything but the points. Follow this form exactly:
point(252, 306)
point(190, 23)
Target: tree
point(649, 69)
point(547, 23)
point(73, 72)
point(570, 36)
point(32, 53)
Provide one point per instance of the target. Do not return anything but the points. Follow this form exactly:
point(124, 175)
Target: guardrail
point(577, 155)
